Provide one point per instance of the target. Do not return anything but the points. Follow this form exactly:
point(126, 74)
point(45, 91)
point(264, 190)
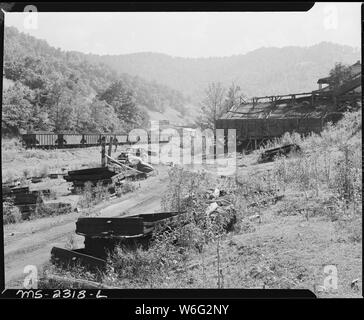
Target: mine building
point(265, 118)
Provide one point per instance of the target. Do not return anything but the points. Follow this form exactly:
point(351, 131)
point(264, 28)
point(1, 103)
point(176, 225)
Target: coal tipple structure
point(269, 117)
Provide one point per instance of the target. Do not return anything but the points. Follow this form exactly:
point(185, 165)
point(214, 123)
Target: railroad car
point(90, 139)
point(69, 140)
point(40, 140)
point(47, 140)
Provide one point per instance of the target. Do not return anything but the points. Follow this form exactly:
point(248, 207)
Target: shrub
point(347, 175)
point(10, 175)
point(126, 187)
point(11, 213)
point(51, 209)
point(86, 198)
point(92, 195)
point(138, 264)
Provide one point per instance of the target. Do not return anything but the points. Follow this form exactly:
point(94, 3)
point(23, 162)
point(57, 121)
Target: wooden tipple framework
point(269, 117)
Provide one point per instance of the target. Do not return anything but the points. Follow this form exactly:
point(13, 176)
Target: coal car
point(46, 140)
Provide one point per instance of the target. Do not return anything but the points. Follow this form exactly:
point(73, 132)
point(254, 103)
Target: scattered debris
point(270, 154)
point(102, 235)
point(12, 184)
point(31, 201)
point(36, 179)
point(9, 191)
point(266, 201)
point(216, 193)
point(27, 201)
point(133, 163)
point(256, 217)
point(211, 208)
point(105, 175)
point(55, 175)
point(220, 208)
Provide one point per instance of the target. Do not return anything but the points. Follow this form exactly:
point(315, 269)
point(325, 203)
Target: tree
point(57, 89)
point(16, 109)
point(339, 74)
point(81, 113)
point(39, 120)
point(103, 117)
point(212, 105)
point(233, 96)
point(123, 102)
point(60, 106)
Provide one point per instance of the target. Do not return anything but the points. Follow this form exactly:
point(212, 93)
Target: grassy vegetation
point(92, 195)
point(13, 214)
point(20, 163)
point(281, 226)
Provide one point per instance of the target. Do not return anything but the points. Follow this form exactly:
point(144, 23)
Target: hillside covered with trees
point(47, 89)
point(265, 71)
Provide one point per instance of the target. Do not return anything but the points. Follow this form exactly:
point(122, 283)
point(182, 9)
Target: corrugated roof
point(294, 105)
point(281, 109)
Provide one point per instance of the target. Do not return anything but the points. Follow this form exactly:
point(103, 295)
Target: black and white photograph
point(183, 149)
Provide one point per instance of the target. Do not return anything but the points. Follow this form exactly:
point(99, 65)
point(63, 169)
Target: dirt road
point(30, 243)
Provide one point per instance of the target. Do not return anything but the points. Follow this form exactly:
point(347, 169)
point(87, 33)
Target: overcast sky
point(193, 34)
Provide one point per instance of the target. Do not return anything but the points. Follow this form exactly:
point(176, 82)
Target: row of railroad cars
point(48, 140)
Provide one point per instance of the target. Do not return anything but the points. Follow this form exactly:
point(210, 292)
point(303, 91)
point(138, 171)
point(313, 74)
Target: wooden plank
point(89, 177)
point(36, 179)
point(44, 192)
point(81, 184)
point(20, 190)
point(109, 226)
point(103, 152)
point(269, 154)
point(110, 148)
point(121, 226)
point(89, 171)
point(21, 198)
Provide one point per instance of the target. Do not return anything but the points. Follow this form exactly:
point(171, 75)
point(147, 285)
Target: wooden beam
point(103, 152)
point(122, 165)
point(110, 147)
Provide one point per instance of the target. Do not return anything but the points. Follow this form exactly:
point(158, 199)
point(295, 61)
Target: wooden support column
point(110, 148)
point(103, 152)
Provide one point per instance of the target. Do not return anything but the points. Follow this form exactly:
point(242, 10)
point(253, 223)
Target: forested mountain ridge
point(48, 89)
point(265, 71)
point(54, 90)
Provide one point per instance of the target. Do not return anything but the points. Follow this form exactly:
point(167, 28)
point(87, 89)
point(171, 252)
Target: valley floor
point(290, 242)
